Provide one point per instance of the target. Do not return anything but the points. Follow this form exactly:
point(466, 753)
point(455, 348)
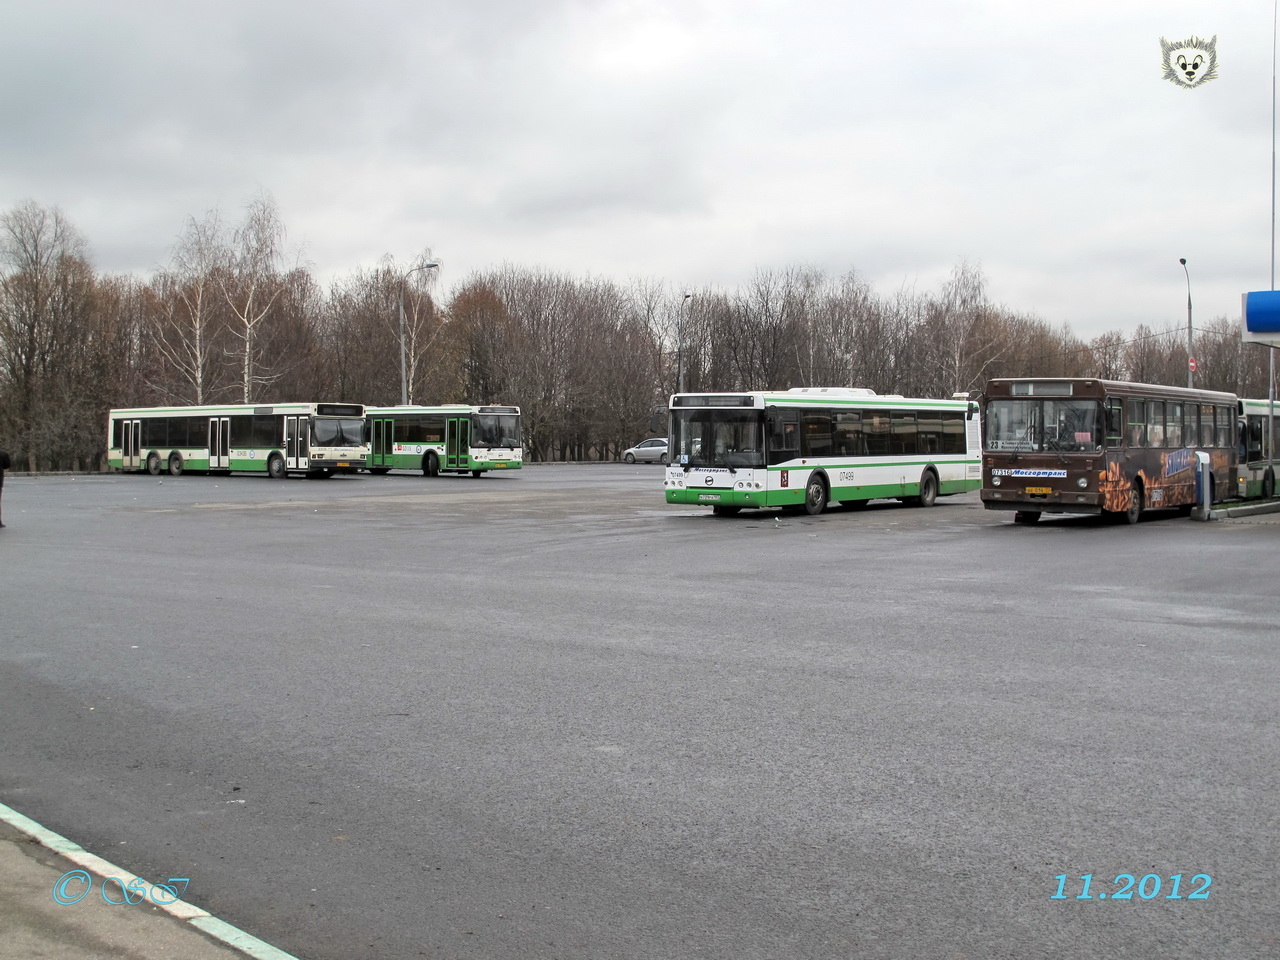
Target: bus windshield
point(495, 430)
point(337, 431)
point(717, 438)
point(1034, 425)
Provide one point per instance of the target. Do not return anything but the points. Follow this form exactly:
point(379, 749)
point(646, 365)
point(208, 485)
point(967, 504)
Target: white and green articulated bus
point(452, 438)
point(809, 446)
point(318, 439)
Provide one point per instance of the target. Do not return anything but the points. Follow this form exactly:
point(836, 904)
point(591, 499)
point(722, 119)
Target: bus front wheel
point(175, 464)
point(1026, 516)
point(725, 511)
point(815, 496)
point(275, 467)
point(153, 463)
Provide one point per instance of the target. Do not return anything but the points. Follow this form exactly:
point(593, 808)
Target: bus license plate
point(708, 496)
point(341, 464)
point(1042, 490)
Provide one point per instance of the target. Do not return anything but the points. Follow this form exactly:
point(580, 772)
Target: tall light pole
point(680, 312)
point(1191, 357)
point(404, 375)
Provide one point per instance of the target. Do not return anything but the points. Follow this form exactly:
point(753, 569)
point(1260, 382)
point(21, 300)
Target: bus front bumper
point(715, 496)
point(996, 498)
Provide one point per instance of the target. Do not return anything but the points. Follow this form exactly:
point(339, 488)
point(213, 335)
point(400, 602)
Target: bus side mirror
point(973, 411)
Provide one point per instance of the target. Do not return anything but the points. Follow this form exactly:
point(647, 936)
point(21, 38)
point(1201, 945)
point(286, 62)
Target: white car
point(648, 451)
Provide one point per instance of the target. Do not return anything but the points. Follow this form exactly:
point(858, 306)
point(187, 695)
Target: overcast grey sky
point(688, 141)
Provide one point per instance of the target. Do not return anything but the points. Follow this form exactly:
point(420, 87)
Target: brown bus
point(1101, 446)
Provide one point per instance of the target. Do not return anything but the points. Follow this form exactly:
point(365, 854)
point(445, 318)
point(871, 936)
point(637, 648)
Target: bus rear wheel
point(928, 490)
point(725, 511)
point(275, 467)
point(815, 496)
point(1268, 485)
point(1135, 505)
point(175, 464)
point(153, 463)
point(430, 465)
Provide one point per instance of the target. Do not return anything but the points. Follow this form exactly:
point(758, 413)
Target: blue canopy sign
point(1261, 313)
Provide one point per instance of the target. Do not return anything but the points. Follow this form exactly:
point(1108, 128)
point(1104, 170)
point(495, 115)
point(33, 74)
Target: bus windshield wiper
point(1056, 445)
point(1024, 438)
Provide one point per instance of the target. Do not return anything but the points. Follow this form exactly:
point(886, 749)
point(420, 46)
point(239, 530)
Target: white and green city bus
point(1256, 469)
point(452, 438)
point(317, 439)
point(805, 447)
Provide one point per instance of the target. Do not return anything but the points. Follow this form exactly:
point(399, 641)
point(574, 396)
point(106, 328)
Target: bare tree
point(253, 282)
point(45, 292)
point(426, 352)
point(186, 336)
point(358, 339)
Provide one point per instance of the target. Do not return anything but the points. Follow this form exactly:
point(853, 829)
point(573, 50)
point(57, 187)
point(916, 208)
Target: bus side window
point(784, 435)
point(1115, 423)
point(1155, 423)
point(1174, 424)
point(847, 433)
point(1137, 423)
point(1253, 438)
point(1226, 426)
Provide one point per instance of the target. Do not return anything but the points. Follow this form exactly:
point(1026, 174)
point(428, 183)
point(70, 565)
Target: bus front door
point(129, 444)
point(457, 443)
point(219, 443)
point(382, 443)
point(296, 449)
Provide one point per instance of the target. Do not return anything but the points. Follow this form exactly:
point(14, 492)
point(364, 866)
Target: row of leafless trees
point(588, 360)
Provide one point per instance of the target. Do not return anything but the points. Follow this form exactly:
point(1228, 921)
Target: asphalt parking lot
point(547, 715)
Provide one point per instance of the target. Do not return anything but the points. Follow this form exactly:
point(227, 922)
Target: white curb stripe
point(211, 925)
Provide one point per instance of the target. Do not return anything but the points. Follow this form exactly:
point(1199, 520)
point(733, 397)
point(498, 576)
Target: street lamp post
point(680, 312)
point(404, 375)
point(1191, 359)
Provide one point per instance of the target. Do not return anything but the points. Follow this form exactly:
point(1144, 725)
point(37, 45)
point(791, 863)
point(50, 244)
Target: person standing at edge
point(5, 463)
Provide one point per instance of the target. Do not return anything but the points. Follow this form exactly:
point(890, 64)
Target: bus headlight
point(995, 481)
point(1082, 482)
